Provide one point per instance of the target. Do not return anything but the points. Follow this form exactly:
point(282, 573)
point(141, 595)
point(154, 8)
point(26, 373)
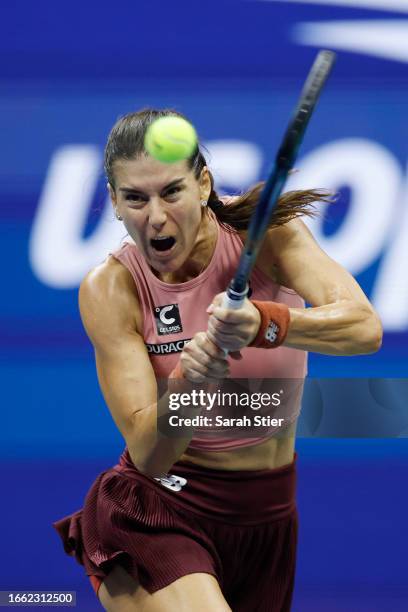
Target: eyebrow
point(137, 190)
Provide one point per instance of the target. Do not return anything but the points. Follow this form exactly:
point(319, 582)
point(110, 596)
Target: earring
point(203, 203)
point(119, 218)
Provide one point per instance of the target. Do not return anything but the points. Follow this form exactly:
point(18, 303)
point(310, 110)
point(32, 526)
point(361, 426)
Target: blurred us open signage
point(374, 228)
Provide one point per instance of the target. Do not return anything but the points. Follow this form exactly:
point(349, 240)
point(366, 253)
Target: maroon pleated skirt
point(239, 526)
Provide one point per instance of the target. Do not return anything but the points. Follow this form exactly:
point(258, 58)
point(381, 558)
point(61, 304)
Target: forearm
point(158, 435)
point(343, 328)
point(155, 445)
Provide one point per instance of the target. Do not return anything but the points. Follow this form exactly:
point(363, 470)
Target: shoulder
point(108, 298)
point(280, 244)
point(292, 236)
point(106, 279)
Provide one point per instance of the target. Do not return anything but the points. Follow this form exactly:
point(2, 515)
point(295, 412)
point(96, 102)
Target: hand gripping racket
point(285, 159)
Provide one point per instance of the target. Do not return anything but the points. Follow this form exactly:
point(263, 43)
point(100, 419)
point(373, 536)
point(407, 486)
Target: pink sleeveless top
point(174, 313)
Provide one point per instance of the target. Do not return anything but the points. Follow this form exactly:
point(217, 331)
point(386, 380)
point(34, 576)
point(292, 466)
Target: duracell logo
point(168, 319)
point(167, 347)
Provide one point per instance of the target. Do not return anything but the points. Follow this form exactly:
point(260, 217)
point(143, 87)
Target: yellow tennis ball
point(170, 139)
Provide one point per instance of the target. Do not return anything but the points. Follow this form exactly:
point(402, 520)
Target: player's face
point(160, 207)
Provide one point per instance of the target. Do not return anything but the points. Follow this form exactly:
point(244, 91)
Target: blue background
point(235, 68)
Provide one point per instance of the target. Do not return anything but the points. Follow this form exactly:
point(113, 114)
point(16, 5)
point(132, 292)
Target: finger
point(219, 342)
point(195, 373)
point(204, 365)
point(209, 347)
point(216, 328)
point(217, 301)
point(224, 343)
point(227, 341)
point(215, 341)
point(234, 341)
point(238, 330)
point(218, 375)
point(228, 315)
point(198, 377)
point(218, 365)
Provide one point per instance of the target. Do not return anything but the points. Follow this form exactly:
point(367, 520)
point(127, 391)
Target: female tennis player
point(189, 522)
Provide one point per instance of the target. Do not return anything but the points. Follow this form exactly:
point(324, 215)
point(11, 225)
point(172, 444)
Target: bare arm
point(341, 320)
point(111, 315)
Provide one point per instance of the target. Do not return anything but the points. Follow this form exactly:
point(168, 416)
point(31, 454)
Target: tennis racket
point(285, 159)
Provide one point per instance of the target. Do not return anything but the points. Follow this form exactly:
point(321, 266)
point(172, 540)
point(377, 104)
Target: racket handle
point(234, 299)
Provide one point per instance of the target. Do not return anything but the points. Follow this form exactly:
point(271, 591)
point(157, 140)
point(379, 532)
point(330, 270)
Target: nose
point(157, 213)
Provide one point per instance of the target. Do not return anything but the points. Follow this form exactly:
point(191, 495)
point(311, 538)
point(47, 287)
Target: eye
point(172, 192)
point(135, 197)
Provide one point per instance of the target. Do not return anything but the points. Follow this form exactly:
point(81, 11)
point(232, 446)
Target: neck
point(199, 257)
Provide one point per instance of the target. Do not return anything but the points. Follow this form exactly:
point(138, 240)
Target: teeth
point(161, 237)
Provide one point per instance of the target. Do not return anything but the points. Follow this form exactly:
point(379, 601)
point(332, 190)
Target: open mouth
point(162, 244)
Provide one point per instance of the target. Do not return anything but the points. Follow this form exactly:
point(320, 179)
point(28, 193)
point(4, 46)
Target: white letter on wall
point(59, 255)
point(374, 177)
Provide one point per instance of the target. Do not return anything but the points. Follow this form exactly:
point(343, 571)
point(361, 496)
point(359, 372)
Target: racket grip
point(234, 299)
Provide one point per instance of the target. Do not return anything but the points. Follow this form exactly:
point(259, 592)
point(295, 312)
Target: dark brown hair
point(126, 141)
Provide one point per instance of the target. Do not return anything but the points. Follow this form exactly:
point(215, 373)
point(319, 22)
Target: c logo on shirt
point(162, 315)
point(168, 324)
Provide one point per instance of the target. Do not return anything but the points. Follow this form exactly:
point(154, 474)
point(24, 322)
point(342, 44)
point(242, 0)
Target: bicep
point(110, 313)
point(304, 267)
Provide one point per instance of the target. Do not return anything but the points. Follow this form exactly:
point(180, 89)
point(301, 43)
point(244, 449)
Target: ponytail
point(236, 215)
